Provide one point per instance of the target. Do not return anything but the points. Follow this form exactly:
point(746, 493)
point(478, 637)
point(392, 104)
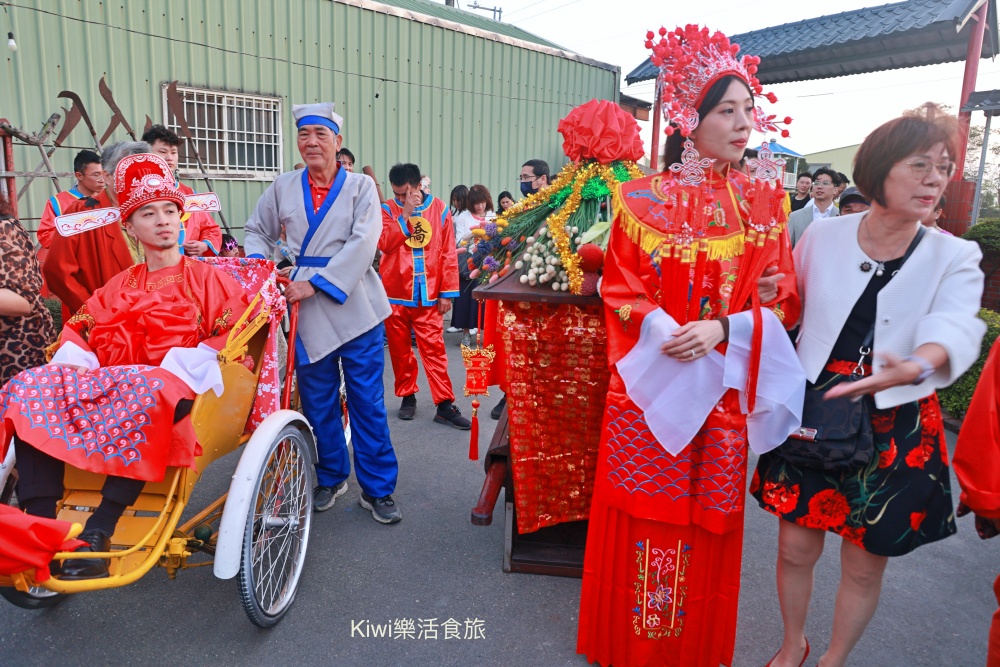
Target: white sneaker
point(473, 332)
point(452, 330)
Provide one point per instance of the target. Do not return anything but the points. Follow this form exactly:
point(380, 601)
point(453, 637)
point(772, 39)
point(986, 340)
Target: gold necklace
point(866, 266)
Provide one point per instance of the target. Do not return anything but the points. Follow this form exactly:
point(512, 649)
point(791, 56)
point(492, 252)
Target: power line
point(516, 11)
point(245, 54)
point(571, 2)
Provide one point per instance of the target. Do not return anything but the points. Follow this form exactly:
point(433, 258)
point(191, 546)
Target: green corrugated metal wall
point(465, 108)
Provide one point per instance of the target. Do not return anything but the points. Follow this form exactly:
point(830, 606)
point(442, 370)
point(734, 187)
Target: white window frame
point(220, 163)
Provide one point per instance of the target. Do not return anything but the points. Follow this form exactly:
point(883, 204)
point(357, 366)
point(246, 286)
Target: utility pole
point(497, 11)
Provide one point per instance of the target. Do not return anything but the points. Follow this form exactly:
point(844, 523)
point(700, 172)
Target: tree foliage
point(955, 399)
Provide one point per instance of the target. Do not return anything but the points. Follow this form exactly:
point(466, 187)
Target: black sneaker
point(497, 410)
point(408, 408)
point(325, 496)
point(383, 509)
point(76, 569)
point(447, 413)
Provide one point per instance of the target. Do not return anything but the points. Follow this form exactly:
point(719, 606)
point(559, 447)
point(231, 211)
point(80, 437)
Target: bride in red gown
point(700, 243)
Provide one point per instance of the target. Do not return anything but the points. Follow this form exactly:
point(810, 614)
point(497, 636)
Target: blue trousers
point(375, 463)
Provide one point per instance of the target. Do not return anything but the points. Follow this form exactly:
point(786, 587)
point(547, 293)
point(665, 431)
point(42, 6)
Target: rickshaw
point(258, 532)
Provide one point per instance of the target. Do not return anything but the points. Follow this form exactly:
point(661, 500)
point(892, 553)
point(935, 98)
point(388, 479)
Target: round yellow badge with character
point(420, 235)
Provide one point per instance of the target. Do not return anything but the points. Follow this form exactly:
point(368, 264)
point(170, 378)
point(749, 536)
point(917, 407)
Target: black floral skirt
point(898, 502)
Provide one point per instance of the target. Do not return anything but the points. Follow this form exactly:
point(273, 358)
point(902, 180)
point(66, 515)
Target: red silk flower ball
point(600, 130)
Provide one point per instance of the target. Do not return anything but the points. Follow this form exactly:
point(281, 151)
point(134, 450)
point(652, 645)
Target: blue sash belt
point(316, 262)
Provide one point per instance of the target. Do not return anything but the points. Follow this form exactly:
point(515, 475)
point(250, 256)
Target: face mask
point(526, 188)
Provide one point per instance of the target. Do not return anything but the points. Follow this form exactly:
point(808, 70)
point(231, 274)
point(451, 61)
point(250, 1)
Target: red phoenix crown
point(690, 60)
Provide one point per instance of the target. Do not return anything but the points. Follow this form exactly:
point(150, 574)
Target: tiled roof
point(988, 100)
point(902, 34)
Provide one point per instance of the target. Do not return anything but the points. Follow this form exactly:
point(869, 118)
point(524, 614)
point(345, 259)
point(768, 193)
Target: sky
point(827, 113)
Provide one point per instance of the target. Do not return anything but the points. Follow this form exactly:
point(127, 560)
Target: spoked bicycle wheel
point(277, 529)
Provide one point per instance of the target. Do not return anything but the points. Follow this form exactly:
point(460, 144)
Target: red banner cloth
point(29, 542)
point(557, 381)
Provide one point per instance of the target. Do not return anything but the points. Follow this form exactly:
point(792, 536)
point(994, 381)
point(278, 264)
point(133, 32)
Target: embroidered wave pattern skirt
point(901, 500)
point(662, 568)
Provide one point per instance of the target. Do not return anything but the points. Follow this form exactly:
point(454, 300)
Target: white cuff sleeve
point(197, 367)
point(781, 382)
point(675, 396)
point(71, 354)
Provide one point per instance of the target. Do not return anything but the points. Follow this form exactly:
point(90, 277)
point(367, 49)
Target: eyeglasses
point(922, 168)
point(525, 178)
point(823, 184)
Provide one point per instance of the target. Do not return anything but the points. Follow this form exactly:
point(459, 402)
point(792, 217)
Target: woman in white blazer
point(851, 275)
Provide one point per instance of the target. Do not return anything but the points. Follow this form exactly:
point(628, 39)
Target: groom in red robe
point(116, 396)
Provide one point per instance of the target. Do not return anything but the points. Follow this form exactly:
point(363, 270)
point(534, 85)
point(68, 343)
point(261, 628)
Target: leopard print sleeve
point(19, 271)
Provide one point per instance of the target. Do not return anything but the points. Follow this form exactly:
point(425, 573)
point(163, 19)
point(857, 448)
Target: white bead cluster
point(543, 262)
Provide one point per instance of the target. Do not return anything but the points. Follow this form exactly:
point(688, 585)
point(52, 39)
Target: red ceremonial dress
point(200, 226)
point(78, 265)
point(662, 567)
point(977, 464)
point(119, 419)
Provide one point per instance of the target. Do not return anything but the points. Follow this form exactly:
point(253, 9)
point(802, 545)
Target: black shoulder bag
point(836, 434)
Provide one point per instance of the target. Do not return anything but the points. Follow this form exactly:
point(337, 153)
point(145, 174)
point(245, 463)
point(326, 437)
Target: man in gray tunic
point(332, 222)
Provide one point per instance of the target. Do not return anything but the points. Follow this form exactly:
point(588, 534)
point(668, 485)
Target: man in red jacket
point(89, 183)
point(200, 234)
point(977, 466)
point(419, 270)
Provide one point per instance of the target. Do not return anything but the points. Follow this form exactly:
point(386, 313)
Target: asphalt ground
point(935, 608)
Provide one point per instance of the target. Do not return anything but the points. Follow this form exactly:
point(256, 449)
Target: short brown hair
point(914, 131)
point(479, 194)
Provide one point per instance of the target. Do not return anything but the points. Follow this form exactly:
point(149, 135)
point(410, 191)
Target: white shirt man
point(820, 206)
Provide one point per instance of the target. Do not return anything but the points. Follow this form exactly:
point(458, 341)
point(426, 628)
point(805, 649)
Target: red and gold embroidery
point(660, 589)
point(625, 315)
point(86, 318)
point(222, 322)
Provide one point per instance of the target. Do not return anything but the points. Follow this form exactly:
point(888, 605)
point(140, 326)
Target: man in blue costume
point(332, 220)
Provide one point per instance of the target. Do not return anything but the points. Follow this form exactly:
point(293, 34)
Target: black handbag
point(836, 434)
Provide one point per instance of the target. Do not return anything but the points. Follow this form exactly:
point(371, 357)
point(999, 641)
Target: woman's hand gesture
point(767, 284)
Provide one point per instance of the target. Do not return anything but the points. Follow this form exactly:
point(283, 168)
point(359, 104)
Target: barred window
point(238, 136)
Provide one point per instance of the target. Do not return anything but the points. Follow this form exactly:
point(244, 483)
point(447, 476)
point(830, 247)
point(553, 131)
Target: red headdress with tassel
point(690, 60)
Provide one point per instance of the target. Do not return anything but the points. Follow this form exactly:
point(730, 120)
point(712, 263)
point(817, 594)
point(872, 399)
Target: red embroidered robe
point(662, 565)
point(119, 419)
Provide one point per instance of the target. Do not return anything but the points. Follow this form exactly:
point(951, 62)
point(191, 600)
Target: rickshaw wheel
point(277, 530)
point(36, 597)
